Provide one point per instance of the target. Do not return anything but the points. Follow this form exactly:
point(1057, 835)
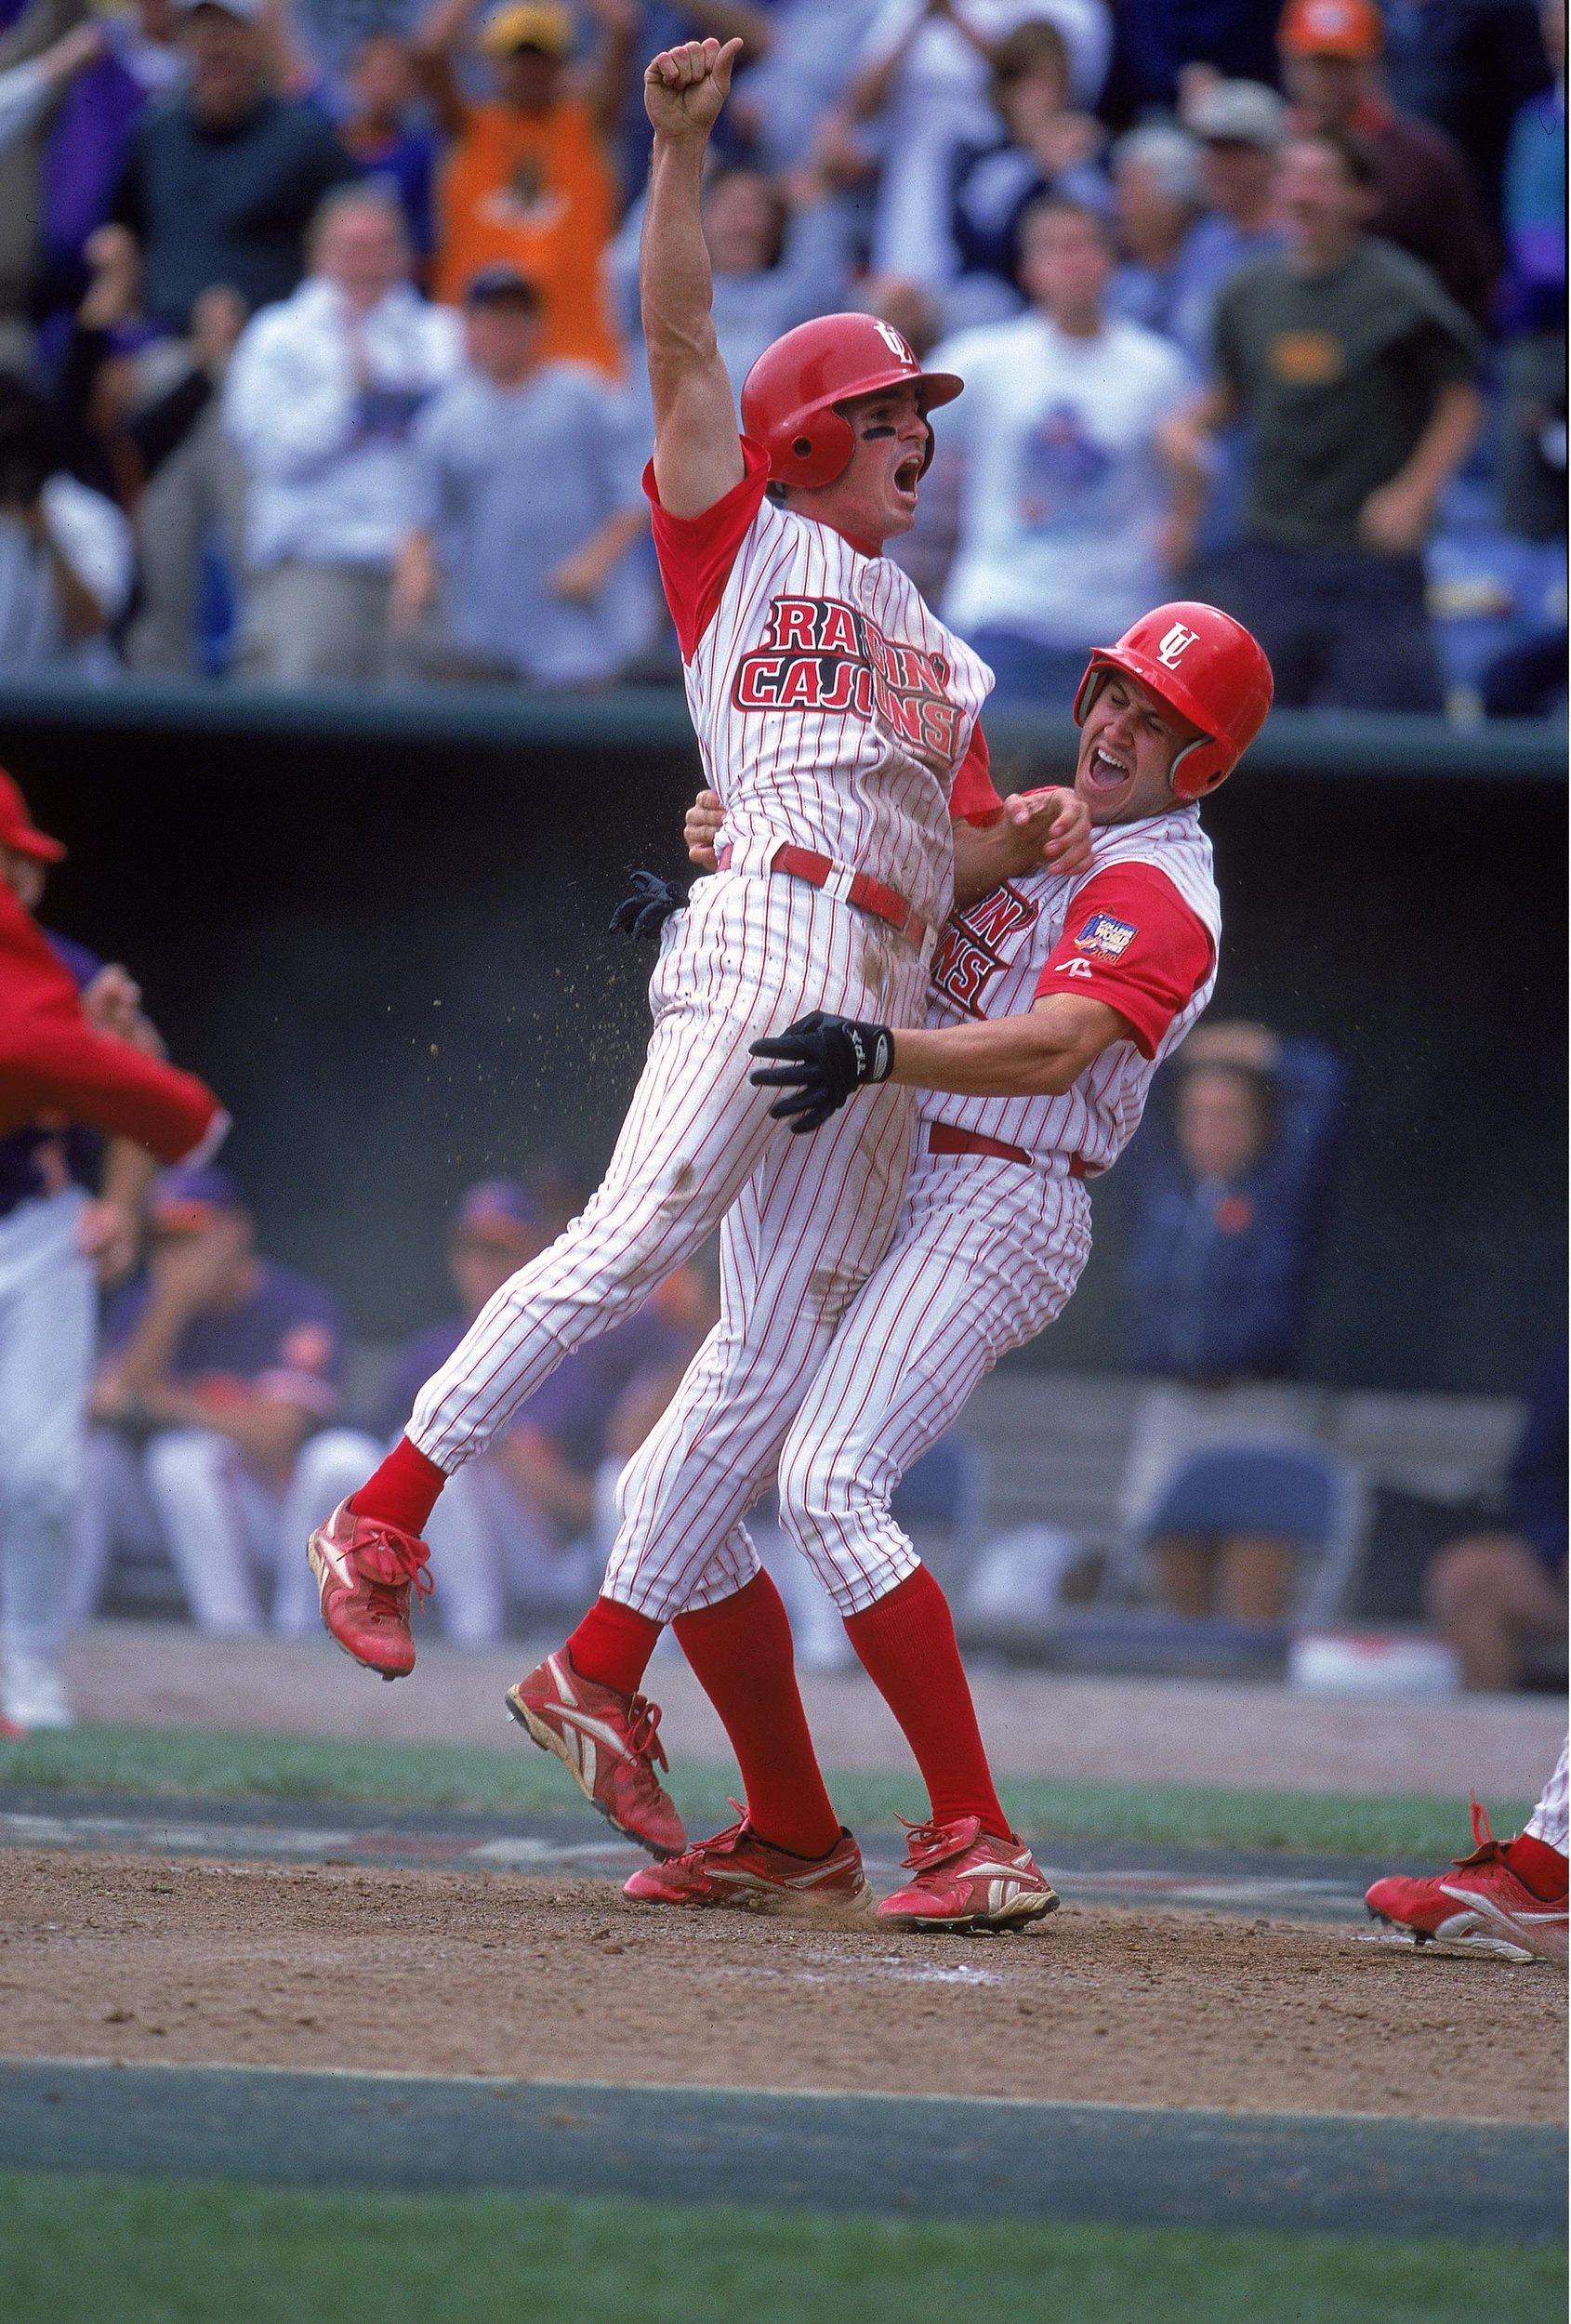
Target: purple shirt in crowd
point(286, 1342)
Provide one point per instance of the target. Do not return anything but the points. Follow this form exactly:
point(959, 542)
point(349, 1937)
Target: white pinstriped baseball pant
point(985, 1256)
point(1550, 1818)
point(805, 1221)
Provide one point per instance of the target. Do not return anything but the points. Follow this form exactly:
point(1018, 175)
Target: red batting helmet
point(1201, 663)
point(789, 398)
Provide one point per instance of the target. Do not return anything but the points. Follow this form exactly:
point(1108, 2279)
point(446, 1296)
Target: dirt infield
point(128, 1957)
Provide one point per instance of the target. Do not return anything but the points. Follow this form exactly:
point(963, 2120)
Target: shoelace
point(723, 1843)
point(930, 1844)
point(643, 1718)
point(1486, 1849)
point(390, 1563)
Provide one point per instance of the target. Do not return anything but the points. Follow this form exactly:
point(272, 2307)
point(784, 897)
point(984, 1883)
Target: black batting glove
point(820, 1061)
point(654, 900)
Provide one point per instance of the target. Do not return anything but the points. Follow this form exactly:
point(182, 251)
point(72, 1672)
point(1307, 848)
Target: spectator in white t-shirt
point(922, 87)
point(66, 556)
point(1070, 522)
point(526, 502)
point(321, 397)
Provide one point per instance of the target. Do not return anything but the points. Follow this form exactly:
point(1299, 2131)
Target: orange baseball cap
point(1353, 29)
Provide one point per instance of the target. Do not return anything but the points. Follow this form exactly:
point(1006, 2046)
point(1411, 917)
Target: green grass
point(109, 2250)
point(227, 1765)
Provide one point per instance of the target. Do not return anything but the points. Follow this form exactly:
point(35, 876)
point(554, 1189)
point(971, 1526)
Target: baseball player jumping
point(837, 719)
point(1053, 1001)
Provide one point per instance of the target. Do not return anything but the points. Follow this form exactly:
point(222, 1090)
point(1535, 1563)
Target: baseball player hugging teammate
point(838, 720)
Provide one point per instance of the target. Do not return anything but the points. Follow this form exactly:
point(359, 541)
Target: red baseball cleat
point(968, 1881)
point(1478, 1907)
point(737, 1868)
point(608, 1744)
point(366, 1572)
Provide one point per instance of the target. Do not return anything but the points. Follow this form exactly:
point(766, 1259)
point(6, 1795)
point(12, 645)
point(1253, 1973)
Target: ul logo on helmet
point(896, 345)
point(1175, 643)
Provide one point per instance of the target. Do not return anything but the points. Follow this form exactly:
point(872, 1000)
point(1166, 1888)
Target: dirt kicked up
point(124, 1957)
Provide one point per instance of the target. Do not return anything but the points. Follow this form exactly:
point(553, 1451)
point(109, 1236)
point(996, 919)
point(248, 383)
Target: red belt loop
point(942, 1139)
point(868, 894)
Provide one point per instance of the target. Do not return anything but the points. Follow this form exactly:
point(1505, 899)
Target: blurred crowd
point(320, 354)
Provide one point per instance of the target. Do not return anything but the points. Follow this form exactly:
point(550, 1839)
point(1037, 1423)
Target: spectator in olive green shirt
point(1354, 373)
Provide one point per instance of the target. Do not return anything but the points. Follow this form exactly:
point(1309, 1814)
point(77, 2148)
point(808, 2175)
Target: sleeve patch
point(1103, 938)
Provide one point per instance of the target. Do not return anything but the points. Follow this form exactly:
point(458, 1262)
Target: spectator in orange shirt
point(529, 183)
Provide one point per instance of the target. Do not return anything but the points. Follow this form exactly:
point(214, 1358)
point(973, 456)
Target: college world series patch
point(1104, 938)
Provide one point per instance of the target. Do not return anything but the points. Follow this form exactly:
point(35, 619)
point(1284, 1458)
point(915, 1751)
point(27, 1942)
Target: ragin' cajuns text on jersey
point(832, 707)
point(1139, 931)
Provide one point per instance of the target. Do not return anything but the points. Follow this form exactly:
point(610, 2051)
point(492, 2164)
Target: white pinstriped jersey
point(833, 708)
point(994, 957)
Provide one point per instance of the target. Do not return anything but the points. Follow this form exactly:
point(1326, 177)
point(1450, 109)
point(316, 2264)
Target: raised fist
point(684, 88)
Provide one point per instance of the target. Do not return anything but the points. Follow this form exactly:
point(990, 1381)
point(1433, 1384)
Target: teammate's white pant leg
point(748, 957)
point(113, 1510)
point(215, 1521)
point(47, 1314)
point(985, 1256)
point(806, 1232)
point(331, 1466)
point(1549, 1819)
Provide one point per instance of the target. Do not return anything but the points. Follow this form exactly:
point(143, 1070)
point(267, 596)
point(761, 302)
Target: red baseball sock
point(741, 1655)
point(611, 1646)
point(905, 1643)
point(404, 1491)
point(1540, 1867)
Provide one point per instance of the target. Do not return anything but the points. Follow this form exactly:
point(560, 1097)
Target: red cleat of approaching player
point(967, 1880)
point(738, 1869)
point(366, 1572)
point(608, 1744)
point(1479, 1906)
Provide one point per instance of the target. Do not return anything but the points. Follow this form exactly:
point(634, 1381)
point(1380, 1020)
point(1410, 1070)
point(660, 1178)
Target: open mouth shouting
point(1107, 773)
point(906, 477)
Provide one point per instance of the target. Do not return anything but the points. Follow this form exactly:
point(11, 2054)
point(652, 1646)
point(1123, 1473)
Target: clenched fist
point(684, 88)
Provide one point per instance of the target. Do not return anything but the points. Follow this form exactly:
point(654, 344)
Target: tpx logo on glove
point(875, 1068)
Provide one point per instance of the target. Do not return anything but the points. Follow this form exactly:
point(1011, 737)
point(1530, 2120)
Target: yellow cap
point(528, 24)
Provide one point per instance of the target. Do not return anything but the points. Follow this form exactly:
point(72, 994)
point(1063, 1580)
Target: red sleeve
point(52, 1060)
point(973, 797)
point(697, 553)
point(1131, 941)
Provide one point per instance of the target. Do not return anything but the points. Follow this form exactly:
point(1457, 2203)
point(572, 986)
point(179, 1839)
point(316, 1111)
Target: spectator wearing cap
point(55, 1230)
point(221, 182)
point(217, 1366)
point(1066, 508)
point(1046, 149)
point(1355, 374)
point(1239, 128)
point(1155, 200)
point(321, 400)
point(518, 1523)
point(529, 181)
point(1426, 198)
point(526, 501)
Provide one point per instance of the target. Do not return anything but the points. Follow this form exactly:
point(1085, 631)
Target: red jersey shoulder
point(696, 554)
point(1131, 939)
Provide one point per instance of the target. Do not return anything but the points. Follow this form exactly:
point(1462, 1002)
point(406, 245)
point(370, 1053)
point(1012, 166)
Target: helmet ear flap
point(822, 451)
point(1207, 770)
